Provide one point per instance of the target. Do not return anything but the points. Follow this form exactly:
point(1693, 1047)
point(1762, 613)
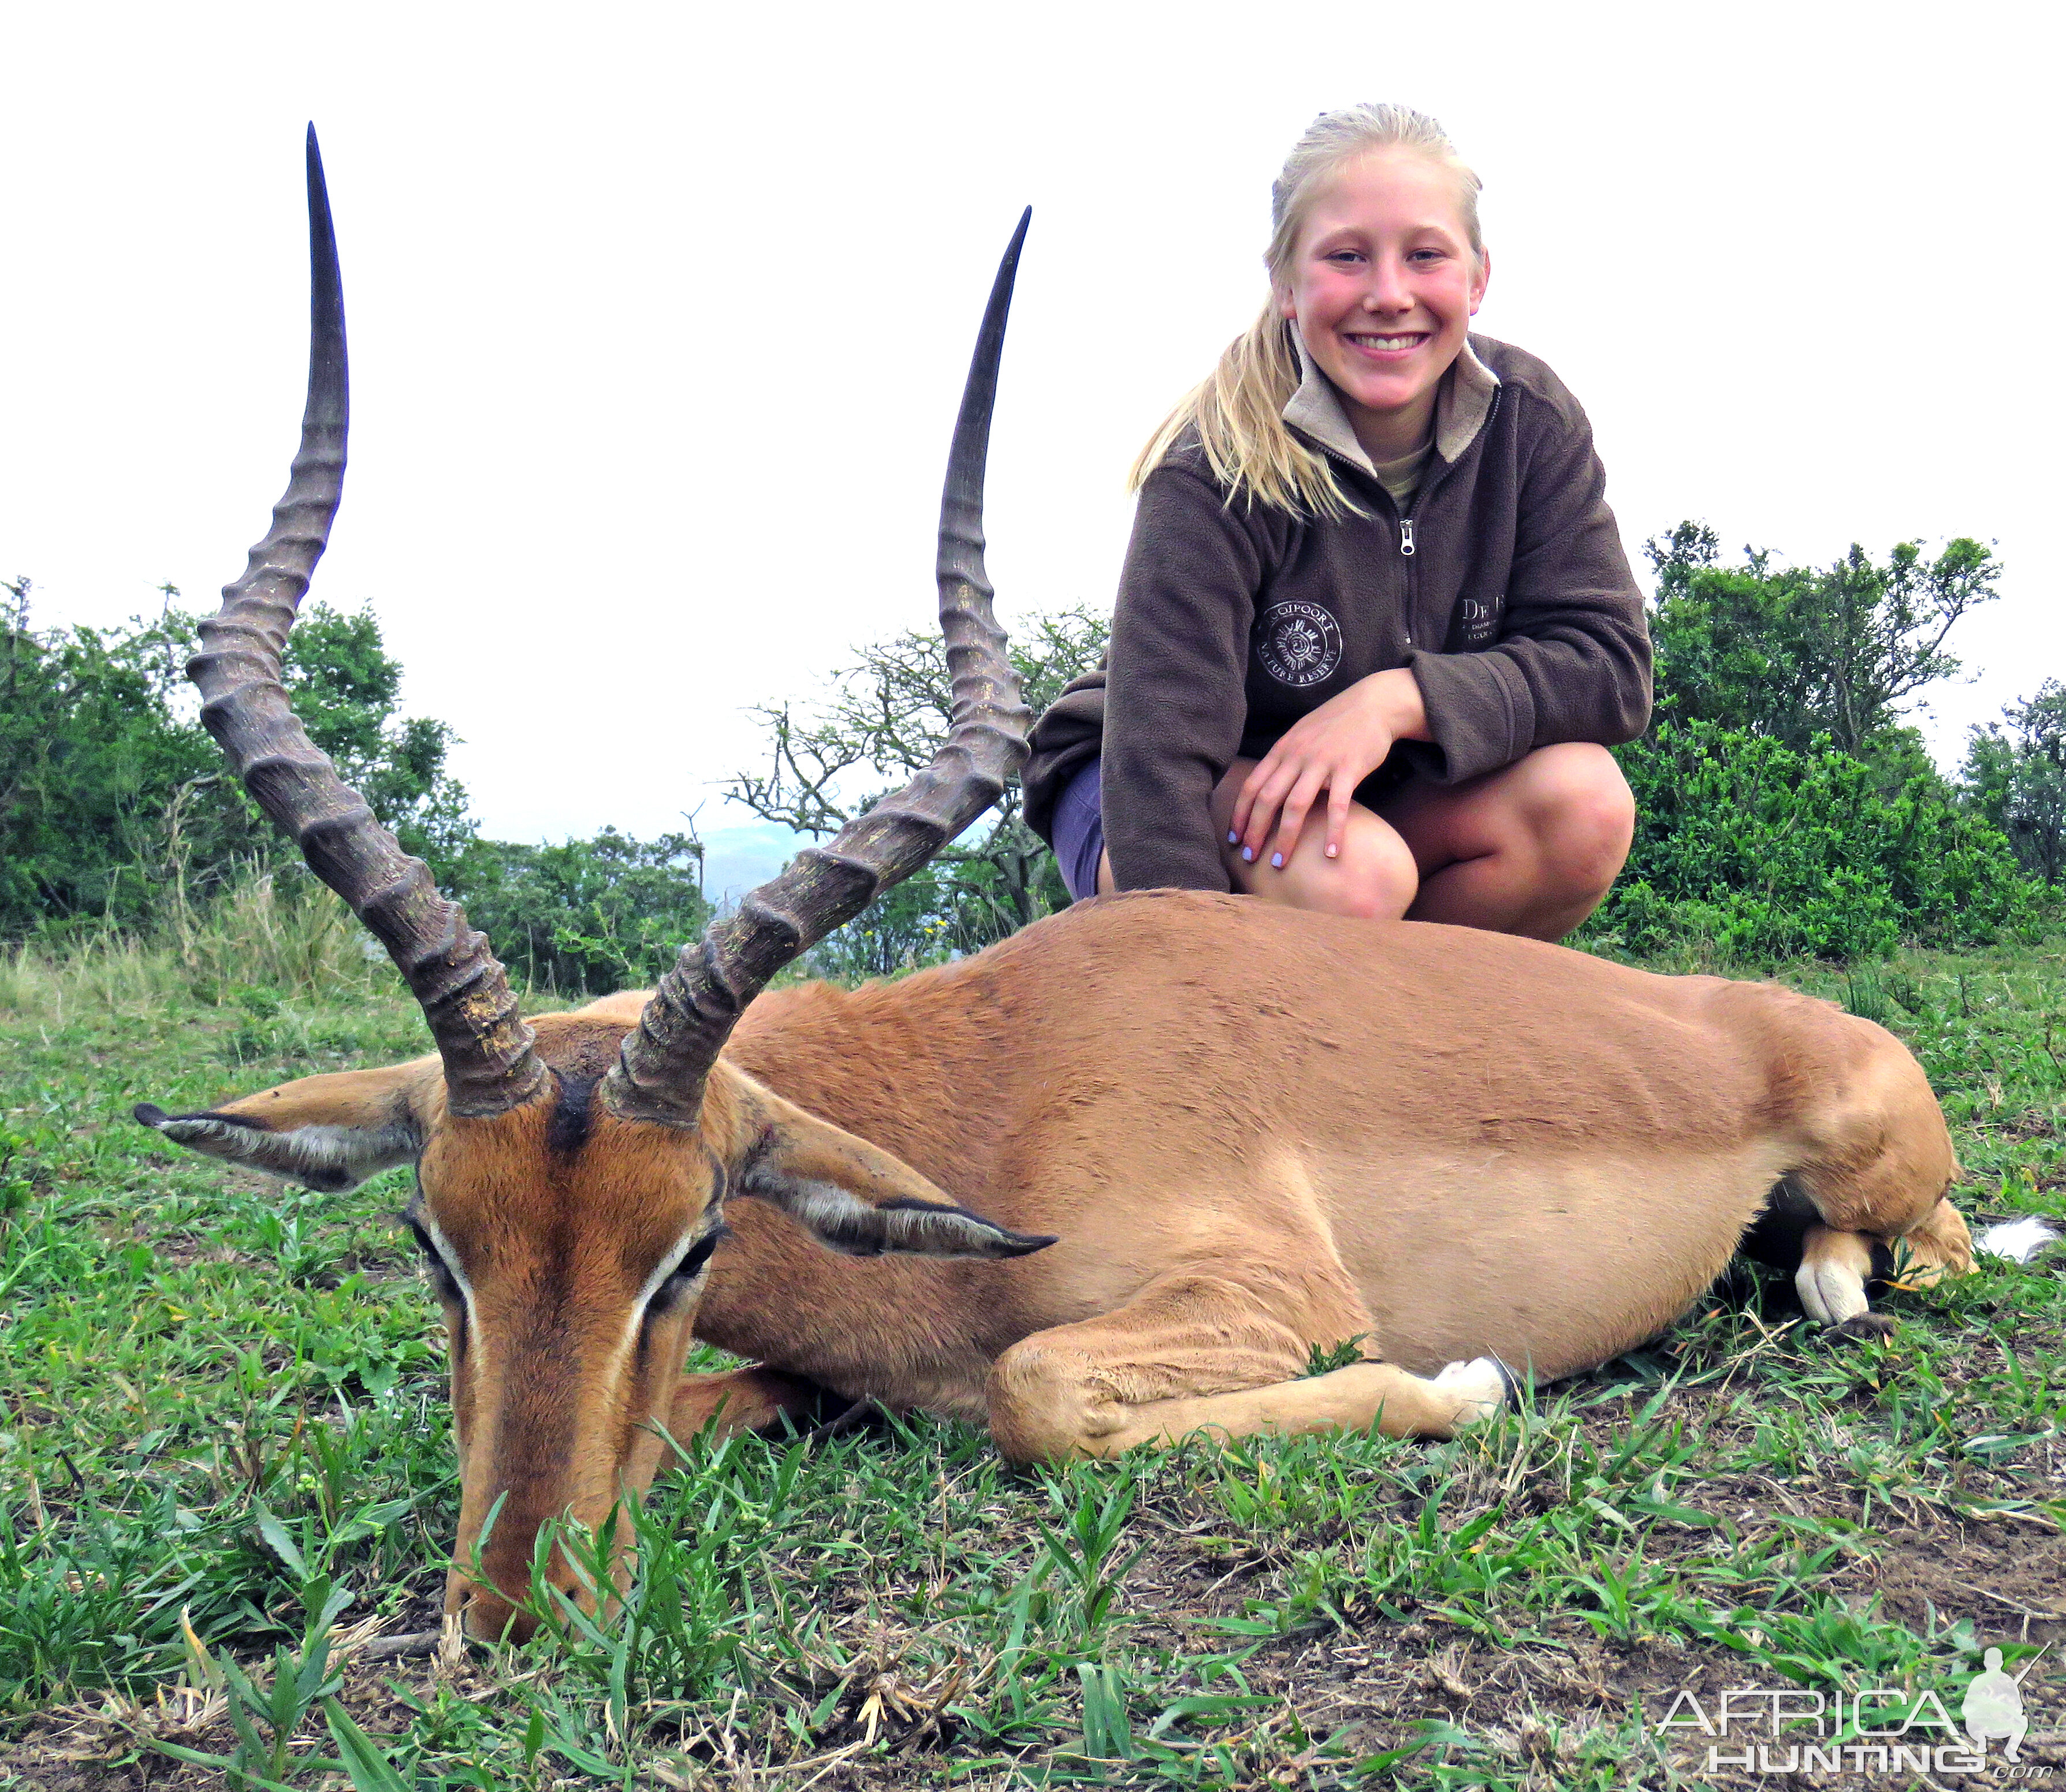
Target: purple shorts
point(1079, 832)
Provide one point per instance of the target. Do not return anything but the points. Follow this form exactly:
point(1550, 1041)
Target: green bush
point(588, 916)
point(1763, 852)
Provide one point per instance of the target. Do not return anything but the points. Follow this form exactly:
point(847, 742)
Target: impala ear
point(328, 1132)
point(852, 1197)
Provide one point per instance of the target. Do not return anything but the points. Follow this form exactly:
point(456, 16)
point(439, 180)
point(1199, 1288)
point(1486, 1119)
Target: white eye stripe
point(428, 1224)
point(666, 1266)
point(446, 1255)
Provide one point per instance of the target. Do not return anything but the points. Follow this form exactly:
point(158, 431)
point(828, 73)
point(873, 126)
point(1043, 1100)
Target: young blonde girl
point(1376, 628)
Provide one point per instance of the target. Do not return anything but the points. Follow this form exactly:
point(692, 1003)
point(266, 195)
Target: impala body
point(1111, 1181)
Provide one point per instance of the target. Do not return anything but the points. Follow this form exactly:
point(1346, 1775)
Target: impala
point(1109, 1181)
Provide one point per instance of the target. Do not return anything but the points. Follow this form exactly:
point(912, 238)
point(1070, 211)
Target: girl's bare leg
point(1374, 878)
point(1531, 849)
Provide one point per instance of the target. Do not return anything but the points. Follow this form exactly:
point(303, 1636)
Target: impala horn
point(486, 1047)
point(659, 1073)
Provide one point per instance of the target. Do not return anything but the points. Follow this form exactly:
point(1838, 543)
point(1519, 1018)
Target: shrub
point(115, 805)
point(1765, 852)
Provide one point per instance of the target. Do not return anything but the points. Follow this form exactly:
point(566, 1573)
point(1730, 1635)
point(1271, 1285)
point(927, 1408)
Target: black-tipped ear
point(329, 1157)
point(854, 1196)
point(912, 1227)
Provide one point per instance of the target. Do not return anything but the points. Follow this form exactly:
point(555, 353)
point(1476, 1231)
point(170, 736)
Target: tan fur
point(1254, 1131)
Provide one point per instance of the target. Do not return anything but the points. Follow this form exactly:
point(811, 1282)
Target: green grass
point(223, 1406)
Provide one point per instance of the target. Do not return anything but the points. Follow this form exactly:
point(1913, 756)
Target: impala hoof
point(1485, 1386)
point(1862, 1325)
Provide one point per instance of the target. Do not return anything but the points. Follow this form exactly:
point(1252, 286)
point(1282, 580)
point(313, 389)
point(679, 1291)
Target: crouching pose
point(1375, 624)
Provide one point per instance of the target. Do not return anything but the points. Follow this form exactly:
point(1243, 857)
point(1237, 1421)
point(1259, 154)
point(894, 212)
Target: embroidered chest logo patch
point(1298, 643)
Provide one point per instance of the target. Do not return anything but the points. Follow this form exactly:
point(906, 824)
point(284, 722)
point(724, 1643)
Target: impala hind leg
point(1835, 1269)
point(1198, 1352)
point(1938, 1246)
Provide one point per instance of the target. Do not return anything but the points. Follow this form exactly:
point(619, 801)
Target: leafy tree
point(1793, 653)
point(883, 720)
point(587, 916)
point(1783, 807)
point(113, 801)
point(346, 689)
point(2016, 777)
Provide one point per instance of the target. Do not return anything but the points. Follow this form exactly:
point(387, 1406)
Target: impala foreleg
point(733, 1401)
point(1202, 1353)
point(1398, 1404)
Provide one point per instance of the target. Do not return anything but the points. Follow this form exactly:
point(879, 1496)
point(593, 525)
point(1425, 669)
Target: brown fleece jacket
point(1506, 591)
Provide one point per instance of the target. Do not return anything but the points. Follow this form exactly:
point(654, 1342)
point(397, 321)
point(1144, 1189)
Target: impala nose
point(504, 1610)
point(490, 1618)
point(501, 1601)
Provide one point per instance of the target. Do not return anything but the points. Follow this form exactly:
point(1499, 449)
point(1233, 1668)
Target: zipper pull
point(1406, 536)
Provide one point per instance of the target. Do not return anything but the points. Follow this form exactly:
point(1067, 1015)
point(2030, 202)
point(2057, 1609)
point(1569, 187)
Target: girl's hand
point(1332, 749)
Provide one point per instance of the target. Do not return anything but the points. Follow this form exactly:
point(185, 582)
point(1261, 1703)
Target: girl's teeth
point(1389, 341)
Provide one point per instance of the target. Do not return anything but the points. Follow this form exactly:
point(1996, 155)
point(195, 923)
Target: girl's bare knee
point(1375, 879)
point(1583, 816)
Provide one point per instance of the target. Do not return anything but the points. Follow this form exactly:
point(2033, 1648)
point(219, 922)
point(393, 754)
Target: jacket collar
point(1461, 406)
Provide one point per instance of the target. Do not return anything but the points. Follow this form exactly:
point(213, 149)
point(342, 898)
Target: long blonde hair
point(1238, 411)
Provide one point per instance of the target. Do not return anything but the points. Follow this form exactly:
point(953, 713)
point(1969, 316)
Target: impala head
point(572, 1172)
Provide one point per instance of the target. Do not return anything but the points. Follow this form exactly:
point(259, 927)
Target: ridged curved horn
point(660, 1071)
point(489, 1065)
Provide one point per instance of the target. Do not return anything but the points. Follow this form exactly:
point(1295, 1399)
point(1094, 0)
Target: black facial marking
point(568, 1129)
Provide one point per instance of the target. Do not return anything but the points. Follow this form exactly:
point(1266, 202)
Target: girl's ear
point(1481, 280)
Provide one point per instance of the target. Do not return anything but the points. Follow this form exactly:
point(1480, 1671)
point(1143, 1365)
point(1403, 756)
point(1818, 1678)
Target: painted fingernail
point(1233, 838)
point(1276, 860)
point(1248, 854)
point(1334, 853)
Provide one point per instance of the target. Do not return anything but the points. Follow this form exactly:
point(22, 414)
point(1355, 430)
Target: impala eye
point(442, 1277)
point(685, 1273)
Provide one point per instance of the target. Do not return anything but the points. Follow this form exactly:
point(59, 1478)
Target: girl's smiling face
point(1383, 286)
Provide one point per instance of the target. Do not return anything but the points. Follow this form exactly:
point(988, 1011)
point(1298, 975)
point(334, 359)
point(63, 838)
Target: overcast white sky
point(659, 314)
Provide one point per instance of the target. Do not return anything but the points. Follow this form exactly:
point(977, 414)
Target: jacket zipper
point(1407, 545)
